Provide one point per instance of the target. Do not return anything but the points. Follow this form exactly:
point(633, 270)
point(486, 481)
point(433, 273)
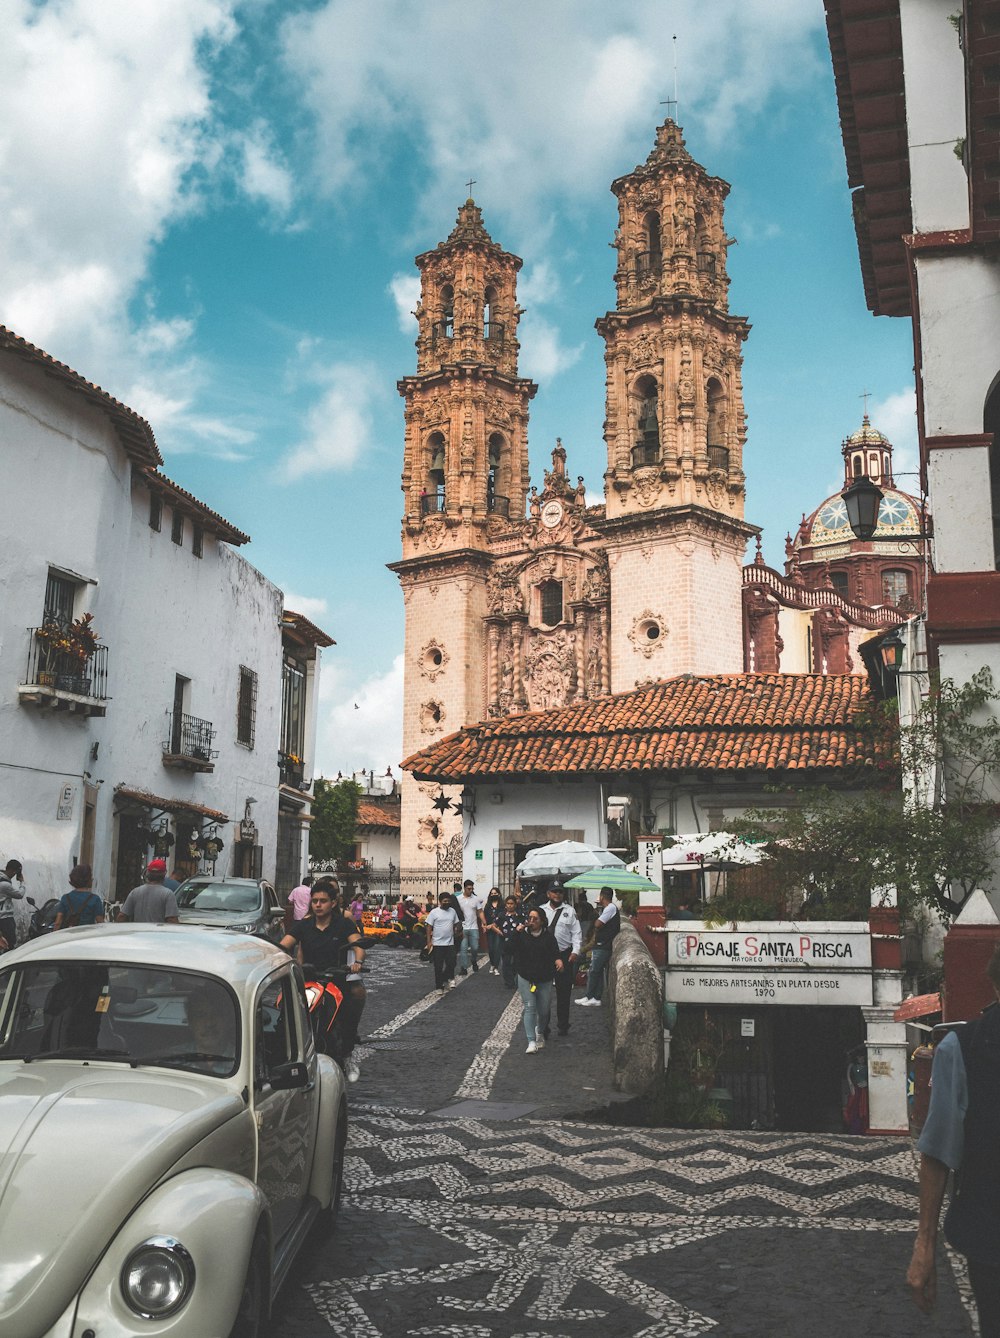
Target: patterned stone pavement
point(455, 1224)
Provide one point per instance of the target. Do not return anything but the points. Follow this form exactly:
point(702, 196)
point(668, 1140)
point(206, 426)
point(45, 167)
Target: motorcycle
point(325, 997)
point(408, 933)
point(42, 917)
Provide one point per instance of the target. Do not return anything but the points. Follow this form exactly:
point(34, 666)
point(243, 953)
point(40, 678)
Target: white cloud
point(311, 607)
point(363, 728)
point(543, 355)
point(896, 417)
point(405, 290)
point(338, 427)
point(539, 283)
point(538, 101)
point(265, 177)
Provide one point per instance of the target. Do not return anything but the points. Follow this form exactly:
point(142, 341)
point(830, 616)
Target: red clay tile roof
point(134, 432)
point(378, 813)
point(168, 805)
point(185, 501)
point(725, 723)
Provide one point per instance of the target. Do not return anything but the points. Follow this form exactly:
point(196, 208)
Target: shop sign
point(64, 806)
point(840, 988)
point(795, 948)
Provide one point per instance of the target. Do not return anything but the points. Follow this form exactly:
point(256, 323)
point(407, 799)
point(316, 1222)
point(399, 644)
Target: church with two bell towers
point(518, 600)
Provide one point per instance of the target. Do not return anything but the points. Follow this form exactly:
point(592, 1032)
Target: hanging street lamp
point(862, 499)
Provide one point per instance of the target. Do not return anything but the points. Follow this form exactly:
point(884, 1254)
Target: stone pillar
point(968, 946)
point(886, 1049)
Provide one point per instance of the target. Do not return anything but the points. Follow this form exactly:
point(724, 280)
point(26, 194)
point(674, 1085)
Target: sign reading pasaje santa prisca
point(770, 962)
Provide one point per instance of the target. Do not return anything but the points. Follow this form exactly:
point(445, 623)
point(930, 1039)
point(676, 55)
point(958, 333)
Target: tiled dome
point(898, 518)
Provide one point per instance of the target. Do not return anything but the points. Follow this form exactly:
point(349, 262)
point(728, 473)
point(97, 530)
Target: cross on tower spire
point(470, 183)
point(866, 396)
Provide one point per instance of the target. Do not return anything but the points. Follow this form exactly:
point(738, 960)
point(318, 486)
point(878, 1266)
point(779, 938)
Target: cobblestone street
point(476, 1206)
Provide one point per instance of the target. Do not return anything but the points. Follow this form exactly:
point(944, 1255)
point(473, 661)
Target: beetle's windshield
point(206, 896)
point(123, 1013)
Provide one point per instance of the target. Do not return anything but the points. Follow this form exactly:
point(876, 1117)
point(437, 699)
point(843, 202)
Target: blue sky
point(211, 209)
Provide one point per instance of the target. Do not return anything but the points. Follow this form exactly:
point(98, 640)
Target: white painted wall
point(960, 333)
point(69, 502)
point(933, 62)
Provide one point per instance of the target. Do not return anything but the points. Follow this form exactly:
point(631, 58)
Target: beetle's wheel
point(250, 1316)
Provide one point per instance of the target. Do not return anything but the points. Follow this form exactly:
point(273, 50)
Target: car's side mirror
point(277, 912)
point(287, 1077)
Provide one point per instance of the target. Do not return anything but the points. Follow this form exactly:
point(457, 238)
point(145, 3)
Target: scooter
point(42, 917)
point(325, 992)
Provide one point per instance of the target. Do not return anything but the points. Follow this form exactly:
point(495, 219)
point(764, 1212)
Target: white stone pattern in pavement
point(570, 1234)
point(478, 1081)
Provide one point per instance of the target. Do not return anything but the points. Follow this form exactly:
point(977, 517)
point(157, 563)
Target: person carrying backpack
point(81, 905)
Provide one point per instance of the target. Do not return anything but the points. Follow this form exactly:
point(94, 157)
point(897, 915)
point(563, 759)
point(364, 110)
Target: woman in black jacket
point(536, 961)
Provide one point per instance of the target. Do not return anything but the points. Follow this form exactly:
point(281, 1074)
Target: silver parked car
point(245, 905)
point(168, 1134)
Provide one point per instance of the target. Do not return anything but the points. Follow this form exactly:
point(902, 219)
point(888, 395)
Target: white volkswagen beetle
point(168, 1134)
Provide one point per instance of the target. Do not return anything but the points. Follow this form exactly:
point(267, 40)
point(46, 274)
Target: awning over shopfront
point(710, 850)
point(127, 794)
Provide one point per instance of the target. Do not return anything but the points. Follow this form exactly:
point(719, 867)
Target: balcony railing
point(432, 503)
point(718, 458)
point(648, 263)
point(188, 745)
point(645, 453)
point(291, 770)
point(498, 506)
point(62, 680)
point(494, 330)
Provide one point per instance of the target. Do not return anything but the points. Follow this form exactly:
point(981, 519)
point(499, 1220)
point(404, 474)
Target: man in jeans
point(470, 908)
point(562, 920)
point(606, 928)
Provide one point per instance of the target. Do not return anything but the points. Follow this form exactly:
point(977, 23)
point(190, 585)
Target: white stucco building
point(188, 731)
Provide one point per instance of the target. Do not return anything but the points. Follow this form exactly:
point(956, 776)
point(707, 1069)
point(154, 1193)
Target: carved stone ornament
point(643, 353)
point(503, 593)
point(597, 582)
point(646, 483)
point(433, 535)
point(433, 659)
point(432, 716)
point(648, 632)
point(549, 670)
point(429, 832)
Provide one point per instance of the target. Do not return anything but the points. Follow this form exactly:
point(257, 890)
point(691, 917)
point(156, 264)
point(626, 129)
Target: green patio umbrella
point(619, 880)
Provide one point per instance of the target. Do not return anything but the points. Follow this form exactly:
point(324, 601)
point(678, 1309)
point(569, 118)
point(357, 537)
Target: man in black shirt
point(323, 940)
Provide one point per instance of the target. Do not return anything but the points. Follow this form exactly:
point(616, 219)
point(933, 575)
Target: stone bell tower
point(465, 483)
point(675, 426)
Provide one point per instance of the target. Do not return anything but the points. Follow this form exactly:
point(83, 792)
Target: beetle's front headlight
point(157, 1278)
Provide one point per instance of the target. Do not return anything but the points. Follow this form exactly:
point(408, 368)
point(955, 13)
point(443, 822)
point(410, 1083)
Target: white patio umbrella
point(566, 857)
point(710, 850)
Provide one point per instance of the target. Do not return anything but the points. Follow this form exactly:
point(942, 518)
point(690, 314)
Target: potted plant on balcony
point(80, 645)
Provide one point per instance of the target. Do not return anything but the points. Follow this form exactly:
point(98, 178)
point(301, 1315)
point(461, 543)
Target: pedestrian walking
point(81, 905)
point(606, 928)
point(962, 1133)
point(493, 913)
point(298, 900)
point(13, 873)
point(513, 919)
point(470, 908)
point(443, 923)
point(565, 926)
point(150, 902)
point(357, 911)
point(536, 959)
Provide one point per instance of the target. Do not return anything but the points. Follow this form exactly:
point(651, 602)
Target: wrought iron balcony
point(494, 330)
point(291, 770)
point(64, 679)
point(432, 503)
point(189, 743)
point(718, 458)
point(645, 453)
point(648, 264)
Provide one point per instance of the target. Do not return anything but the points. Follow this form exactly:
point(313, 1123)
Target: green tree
point(926, 821)
point(335, 814)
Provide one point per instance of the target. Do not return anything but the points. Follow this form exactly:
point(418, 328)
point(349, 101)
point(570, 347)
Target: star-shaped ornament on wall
point(442, 803)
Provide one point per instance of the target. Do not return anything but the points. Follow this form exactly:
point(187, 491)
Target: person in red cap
point(151, 903)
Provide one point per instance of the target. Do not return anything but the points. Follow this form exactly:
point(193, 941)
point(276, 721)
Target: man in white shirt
point(564, 923)
point(470, 908)
point(441, 924)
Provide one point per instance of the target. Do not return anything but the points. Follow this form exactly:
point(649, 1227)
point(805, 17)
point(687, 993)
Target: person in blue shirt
point(81, 905)
point(962, 1134)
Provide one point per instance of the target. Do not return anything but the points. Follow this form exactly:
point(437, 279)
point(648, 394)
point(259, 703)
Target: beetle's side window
point(275, 1027)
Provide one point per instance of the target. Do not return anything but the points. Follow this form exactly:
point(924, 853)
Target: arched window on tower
point(857, 465)
point(445, 326)
point(895, 587)
point(498, 476)
point(646, 445)
point(492, 327)
point(432, 499)
point(838, 579)
point(718, 452)
point(650, 260)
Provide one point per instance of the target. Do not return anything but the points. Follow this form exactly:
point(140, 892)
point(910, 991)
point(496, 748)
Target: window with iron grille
point(551, 593)
point(293, 706)
point(60, 597)
point(197, 541)
point(155, 511)
point(177, 528)
point(246, 707)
